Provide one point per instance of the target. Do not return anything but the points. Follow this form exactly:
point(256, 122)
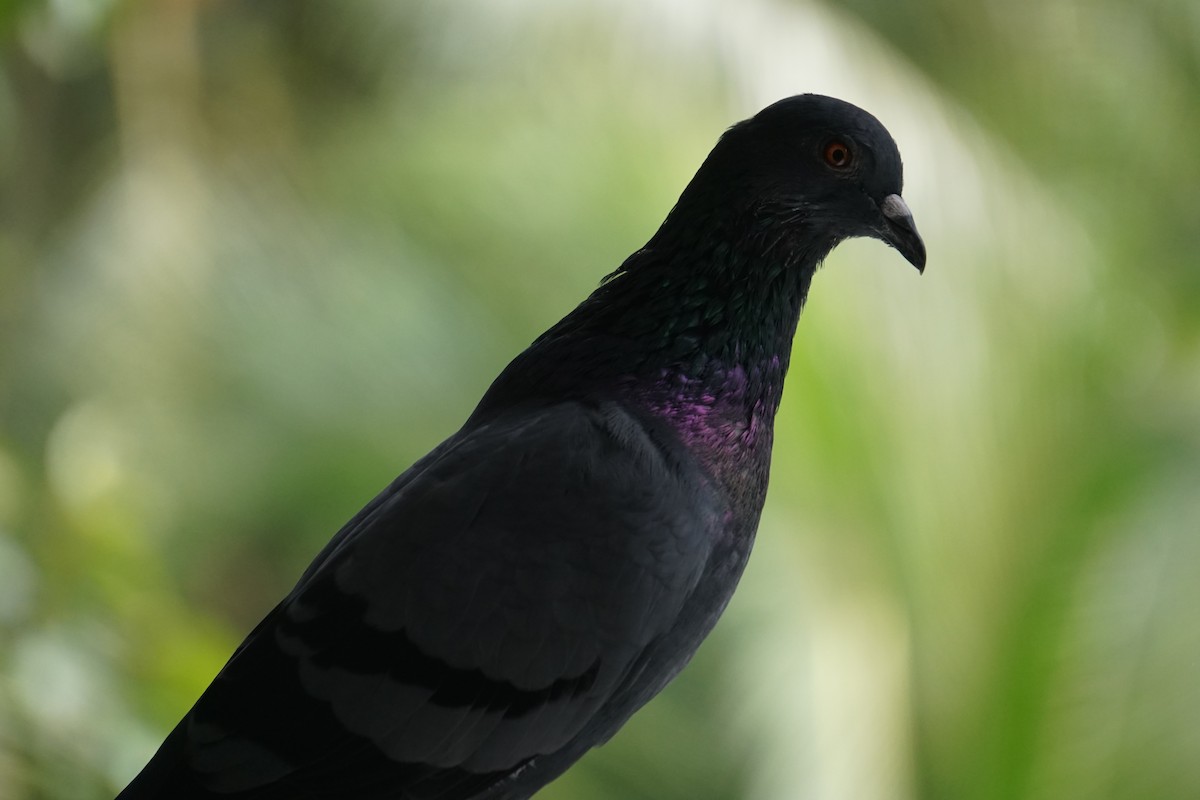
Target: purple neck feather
point(725, 416)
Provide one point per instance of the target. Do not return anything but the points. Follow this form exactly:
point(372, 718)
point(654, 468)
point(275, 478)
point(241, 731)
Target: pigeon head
point(811, 171)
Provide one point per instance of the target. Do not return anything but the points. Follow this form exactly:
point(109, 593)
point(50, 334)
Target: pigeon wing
point(476, 615)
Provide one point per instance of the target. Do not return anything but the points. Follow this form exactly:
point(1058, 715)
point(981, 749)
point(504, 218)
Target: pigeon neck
point(712, 315)
point(714, 325)
point(696, 328)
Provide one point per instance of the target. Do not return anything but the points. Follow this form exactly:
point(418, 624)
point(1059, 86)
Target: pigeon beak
point(900, 231)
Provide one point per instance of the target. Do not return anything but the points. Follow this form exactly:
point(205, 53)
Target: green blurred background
point(257, 257)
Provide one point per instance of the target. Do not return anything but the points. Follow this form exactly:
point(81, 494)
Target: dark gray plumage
point(517, 594)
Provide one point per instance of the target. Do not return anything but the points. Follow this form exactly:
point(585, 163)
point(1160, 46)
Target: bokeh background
point(257, 257)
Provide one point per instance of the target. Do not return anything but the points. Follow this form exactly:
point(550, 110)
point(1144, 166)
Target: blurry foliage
point(256, 258)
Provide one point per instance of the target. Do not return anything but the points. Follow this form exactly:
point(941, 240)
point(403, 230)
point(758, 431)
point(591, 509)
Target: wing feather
point(476, 615)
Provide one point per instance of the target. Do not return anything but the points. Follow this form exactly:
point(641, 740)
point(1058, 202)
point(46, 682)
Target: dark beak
point(900, 231)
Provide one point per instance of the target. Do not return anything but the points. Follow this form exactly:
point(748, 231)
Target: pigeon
point(510, 600)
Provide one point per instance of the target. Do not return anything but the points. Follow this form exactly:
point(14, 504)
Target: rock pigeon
point(509, 601)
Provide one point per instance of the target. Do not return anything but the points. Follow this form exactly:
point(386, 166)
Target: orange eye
point(838, 154)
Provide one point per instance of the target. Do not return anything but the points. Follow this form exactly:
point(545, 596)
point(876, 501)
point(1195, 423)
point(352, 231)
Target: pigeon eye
point(838, 154)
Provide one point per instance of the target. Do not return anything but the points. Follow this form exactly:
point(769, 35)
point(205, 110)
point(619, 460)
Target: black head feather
point(813, 169)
